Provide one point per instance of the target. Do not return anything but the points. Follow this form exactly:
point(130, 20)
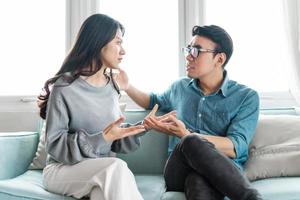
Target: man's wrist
point(128, 88)
point(187, 132)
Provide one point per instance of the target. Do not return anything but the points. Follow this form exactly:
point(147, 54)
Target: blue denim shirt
point(232, 112)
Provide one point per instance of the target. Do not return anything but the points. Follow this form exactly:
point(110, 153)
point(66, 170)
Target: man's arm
point(139, 97)
point(242, 127)
point(222, 144)
point(240, 131)
point(173, 126)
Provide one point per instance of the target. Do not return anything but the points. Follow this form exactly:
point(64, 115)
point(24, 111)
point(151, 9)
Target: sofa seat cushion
point(287, 188)
point(176, 196)
point(30, 186)
point(27, 186)
point(173, 196)
point(151, 187)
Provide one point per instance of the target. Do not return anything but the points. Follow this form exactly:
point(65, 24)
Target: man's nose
point(189, 57)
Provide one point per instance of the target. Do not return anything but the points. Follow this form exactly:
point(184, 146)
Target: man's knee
point(193, 140)
point(189, 139)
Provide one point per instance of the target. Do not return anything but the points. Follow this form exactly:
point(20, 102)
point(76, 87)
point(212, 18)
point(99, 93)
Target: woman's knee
point(119, 163)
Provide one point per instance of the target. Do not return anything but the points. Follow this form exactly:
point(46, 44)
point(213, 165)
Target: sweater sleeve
point(128, 144)
point(65, 146)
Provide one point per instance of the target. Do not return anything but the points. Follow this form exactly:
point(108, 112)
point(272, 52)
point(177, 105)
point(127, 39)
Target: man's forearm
point(139, 97)
point(223, 144)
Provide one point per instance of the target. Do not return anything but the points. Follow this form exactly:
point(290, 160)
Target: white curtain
point(77, 11)
point(292, 23)
point(191, 13)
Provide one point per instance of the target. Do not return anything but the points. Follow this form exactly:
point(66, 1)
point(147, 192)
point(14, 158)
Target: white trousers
point(100, 179)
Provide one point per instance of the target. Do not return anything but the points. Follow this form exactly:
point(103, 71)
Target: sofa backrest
point(19, 121)
point(151, 157)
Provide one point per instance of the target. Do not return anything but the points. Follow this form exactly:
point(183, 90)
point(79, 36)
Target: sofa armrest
point(16, 152)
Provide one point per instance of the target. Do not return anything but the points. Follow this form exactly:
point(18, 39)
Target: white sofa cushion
point(275, 149)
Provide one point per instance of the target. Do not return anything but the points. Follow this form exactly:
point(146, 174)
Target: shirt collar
point(223, 88)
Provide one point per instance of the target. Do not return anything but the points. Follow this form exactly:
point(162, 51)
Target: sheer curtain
point(292, 22)
point(76, 12)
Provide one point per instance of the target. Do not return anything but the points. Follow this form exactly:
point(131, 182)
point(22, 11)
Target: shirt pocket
point(221, 120)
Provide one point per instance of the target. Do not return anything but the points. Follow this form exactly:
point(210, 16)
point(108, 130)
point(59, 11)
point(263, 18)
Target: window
point(32, 44)
point(260, 53)
point(150, 40)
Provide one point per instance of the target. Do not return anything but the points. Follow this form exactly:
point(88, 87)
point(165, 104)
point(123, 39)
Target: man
point(216, 122)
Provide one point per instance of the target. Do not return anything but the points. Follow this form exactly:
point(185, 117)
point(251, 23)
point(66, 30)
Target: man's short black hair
point(219, 36)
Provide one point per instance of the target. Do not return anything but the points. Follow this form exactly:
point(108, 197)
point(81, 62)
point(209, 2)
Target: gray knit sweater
point(77, 114)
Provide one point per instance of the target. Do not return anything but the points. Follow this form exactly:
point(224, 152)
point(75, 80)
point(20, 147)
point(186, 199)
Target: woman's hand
point(122, 79)
point(114, 132)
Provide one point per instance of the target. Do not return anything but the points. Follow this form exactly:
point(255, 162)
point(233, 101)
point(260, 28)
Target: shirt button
point(203, 98)
point(199, 115)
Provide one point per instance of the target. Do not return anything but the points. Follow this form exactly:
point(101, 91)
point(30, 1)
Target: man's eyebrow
point(197, 46)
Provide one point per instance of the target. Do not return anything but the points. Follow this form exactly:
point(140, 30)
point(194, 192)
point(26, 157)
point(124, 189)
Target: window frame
point(191, 12)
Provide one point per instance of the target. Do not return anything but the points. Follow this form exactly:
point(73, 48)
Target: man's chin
point(190, 75)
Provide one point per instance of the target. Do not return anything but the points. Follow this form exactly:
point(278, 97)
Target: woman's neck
point(98, 79)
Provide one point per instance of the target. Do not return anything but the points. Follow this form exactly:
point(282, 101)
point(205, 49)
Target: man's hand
point(166, 123)
point(148, 125)
point(114, 132)
point(122, 79)
point(169, 125)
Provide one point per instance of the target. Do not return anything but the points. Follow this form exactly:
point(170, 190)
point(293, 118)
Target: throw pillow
point(275, 149)
point(39, 161)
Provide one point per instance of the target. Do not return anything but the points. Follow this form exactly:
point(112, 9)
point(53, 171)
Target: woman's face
point(112, 53)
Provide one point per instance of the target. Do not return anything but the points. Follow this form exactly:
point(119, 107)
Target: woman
point(84, 120)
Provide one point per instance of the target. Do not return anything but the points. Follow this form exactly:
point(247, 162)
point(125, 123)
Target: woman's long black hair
point(84, 57)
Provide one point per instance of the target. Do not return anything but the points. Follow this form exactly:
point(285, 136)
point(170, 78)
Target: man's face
point(205, 63)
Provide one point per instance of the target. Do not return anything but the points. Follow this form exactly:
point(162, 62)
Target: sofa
point(19, 139)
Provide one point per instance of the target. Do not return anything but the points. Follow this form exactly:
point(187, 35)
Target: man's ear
point(221, 59)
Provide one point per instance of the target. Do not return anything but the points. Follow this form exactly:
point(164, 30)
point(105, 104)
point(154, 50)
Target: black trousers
point(198, 169)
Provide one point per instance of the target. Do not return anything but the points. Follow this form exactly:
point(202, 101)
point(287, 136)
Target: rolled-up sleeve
point(242, 127)
point(163, 100)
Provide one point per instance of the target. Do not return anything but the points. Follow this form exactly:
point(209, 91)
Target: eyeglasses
point(194, 51)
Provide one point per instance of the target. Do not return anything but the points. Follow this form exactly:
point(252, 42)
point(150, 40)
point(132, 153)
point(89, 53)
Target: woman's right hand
point(114, 132)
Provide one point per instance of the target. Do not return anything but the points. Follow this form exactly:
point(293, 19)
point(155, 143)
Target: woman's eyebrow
point(119, 38)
